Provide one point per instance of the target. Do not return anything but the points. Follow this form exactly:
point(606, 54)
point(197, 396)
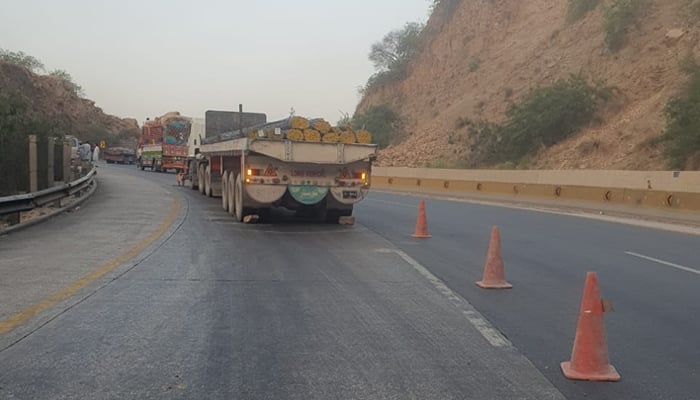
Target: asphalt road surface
point(294, 309)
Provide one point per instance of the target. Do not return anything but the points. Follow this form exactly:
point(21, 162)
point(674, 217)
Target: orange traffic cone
point(494, 274)
point(421, 223)
point(589, 358)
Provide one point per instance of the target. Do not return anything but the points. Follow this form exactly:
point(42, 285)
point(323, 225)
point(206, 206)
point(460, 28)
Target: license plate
point(349, 195)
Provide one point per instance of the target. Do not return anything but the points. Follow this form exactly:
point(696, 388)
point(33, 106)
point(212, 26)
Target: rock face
point(483, 55)
point(55, 101)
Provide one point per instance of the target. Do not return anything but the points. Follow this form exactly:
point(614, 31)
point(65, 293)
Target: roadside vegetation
point(618, 17)
point(545, 116)
point(682, 133)
point(392, 54)
point(693, 10)
point(34, 65)
point(381, 120)
point(578, 8)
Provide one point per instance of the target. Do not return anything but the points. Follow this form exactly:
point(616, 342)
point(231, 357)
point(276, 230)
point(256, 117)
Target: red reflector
point(270, 171)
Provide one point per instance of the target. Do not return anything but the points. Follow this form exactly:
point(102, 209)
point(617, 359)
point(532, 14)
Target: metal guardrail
point(29, 201)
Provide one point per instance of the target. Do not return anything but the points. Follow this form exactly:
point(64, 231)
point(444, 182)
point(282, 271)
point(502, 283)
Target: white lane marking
point(491, 334)
point(662, 262)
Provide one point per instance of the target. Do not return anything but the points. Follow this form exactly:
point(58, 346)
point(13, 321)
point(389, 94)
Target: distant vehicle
point(259, 167)
point(164, 143)
point(119, 155)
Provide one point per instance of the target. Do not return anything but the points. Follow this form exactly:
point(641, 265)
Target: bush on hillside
point(21, 59)
point(682, 134)
point(391, 55)
point(380, 120)
point(617, 19)
point(544, 117)
point(579, 8)
point(68, 81)
point(551, 113)
point(694, 10)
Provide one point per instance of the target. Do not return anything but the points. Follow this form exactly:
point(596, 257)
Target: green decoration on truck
point(308, 195)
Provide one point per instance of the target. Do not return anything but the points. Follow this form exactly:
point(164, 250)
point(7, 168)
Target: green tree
point(380, 120)
point(394, 51)
point(21, 59)
point(68, 80)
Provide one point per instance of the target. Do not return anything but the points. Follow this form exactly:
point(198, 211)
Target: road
point(209, 308)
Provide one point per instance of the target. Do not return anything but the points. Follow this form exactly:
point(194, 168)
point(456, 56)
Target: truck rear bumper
point(295, 196)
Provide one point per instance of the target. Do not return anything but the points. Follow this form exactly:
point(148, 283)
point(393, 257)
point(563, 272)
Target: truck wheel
point(200, 179)
point(224, 192)
point(230, 189)
point(190, 176)
point(238, 196)
point(207, 181)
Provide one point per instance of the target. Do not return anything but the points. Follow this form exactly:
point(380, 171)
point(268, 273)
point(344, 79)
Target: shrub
point(380, 120)
point(618, 17)
point(21, 59)
point(545, 116)
point(694, 10)
point(549, 114)
point(67, 80)
point(579, 8)
point(682, 134)
point(474, 64)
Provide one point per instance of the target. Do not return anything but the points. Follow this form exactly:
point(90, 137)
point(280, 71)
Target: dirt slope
point(54, 101)
point(488, 53)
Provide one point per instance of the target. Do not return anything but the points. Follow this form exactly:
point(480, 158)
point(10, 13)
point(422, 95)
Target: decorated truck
point(296, 163)
point(164, 143)
point(119, 155)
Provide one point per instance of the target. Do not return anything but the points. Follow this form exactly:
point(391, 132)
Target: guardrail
point(659, 189)
point(28, 201)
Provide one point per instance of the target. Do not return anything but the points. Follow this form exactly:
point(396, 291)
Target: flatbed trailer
point(253, 175)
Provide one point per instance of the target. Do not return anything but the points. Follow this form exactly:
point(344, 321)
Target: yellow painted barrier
point(654, 189)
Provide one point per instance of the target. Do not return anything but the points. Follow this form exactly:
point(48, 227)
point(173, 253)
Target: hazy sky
point(144, 58)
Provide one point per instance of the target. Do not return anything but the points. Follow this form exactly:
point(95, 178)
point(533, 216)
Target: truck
point(163, 144)
point(256, 168)
point(119, 155)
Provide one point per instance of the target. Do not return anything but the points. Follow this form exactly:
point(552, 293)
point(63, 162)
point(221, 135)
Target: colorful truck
point(164, 143)
point(256, 168)
point(119, 155)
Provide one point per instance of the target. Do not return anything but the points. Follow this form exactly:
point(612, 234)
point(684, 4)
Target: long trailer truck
point(254, 174)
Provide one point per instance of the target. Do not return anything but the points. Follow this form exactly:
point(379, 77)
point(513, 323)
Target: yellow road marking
point(19, 318)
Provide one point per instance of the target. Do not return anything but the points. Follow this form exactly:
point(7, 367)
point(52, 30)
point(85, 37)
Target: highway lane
point(293, 310)
point(653, 333)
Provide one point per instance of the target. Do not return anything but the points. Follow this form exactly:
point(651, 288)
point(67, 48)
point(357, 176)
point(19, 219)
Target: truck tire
point(207, 181)
point(240, 210)
point(190, 175)
point(224, 193)
point(230, 189)
point(200, 179)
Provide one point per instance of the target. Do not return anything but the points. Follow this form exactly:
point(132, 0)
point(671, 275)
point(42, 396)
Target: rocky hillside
point(52, 99)
point(483, 55)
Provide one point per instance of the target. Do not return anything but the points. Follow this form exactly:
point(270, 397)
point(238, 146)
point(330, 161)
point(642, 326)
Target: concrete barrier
point(653, 189)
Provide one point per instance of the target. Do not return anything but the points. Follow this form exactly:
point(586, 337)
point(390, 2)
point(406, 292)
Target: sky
point(142, 58)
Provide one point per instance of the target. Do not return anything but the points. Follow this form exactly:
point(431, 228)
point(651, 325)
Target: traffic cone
point(494, 274)
point(422, 223)
point(589, 358)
